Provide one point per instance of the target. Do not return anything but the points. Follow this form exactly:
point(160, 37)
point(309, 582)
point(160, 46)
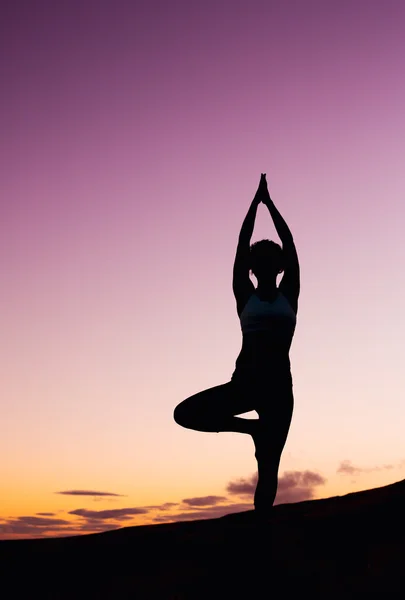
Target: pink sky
point(133, 138)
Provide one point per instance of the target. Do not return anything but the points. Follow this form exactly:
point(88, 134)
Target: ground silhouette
point(350, 546)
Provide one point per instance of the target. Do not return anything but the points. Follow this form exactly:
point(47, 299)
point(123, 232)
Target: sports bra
point(262, 315)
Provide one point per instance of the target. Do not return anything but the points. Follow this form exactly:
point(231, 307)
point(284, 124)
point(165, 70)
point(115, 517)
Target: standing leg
point(214, 409)
point(269, 438)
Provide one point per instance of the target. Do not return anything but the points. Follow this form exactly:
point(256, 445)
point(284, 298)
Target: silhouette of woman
point(262, 378)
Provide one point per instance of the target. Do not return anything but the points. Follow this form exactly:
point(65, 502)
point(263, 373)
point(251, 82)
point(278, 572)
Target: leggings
point(216, 409)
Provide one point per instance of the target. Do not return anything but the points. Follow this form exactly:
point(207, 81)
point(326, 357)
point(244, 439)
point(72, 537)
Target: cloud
point(291, 479)
point(33, 525)
point(121, 514)
point(41, 521)
point(347, 468)
point(163, 507)
point(204, 500)
point(293, 486)
point(92, 521)
point(42, 526)
point(296, 486)
point(243, 486)
point(211, 512)
point(95, 527)
point(87, 493)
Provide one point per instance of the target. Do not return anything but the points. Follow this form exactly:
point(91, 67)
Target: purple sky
point(133, 138)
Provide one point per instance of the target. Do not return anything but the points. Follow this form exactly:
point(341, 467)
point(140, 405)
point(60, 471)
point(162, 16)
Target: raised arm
point(290, 283)
point(241, 282)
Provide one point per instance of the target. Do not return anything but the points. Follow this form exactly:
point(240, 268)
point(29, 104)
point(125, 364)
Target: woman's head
point(266, 259)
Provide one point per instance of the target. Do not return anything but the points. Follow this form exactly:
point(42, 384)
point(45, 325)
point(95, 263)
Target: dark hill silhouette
point(350, 546)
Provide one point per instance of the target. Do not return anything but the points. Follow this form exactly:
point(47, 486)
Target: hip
point(273, 376)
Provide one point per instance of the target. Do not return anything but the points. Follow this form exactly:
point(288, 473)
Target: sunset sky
point(133, 135)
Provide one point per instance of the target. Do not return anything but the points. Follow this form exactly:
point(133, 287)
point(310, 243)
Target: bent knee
point(180, 415)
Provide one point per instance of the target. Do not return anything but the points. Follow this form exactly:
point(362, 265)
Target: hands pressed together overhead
point(262, 193)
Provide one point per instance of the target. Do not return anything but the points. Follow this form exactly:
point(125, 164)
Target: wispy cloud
point(90, 521)
point(87, 493)
point(347, 468)
point(95, 527)
point(211, 512)
point(293, 486)
point(204, 500)
point(118, 514)
point(163, 507)
point(243, 486)
point(296, 486)
point(33, 525)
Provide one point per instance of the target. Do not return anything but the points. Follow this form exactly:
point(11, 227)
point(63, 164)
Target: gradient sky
point(133, 135)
